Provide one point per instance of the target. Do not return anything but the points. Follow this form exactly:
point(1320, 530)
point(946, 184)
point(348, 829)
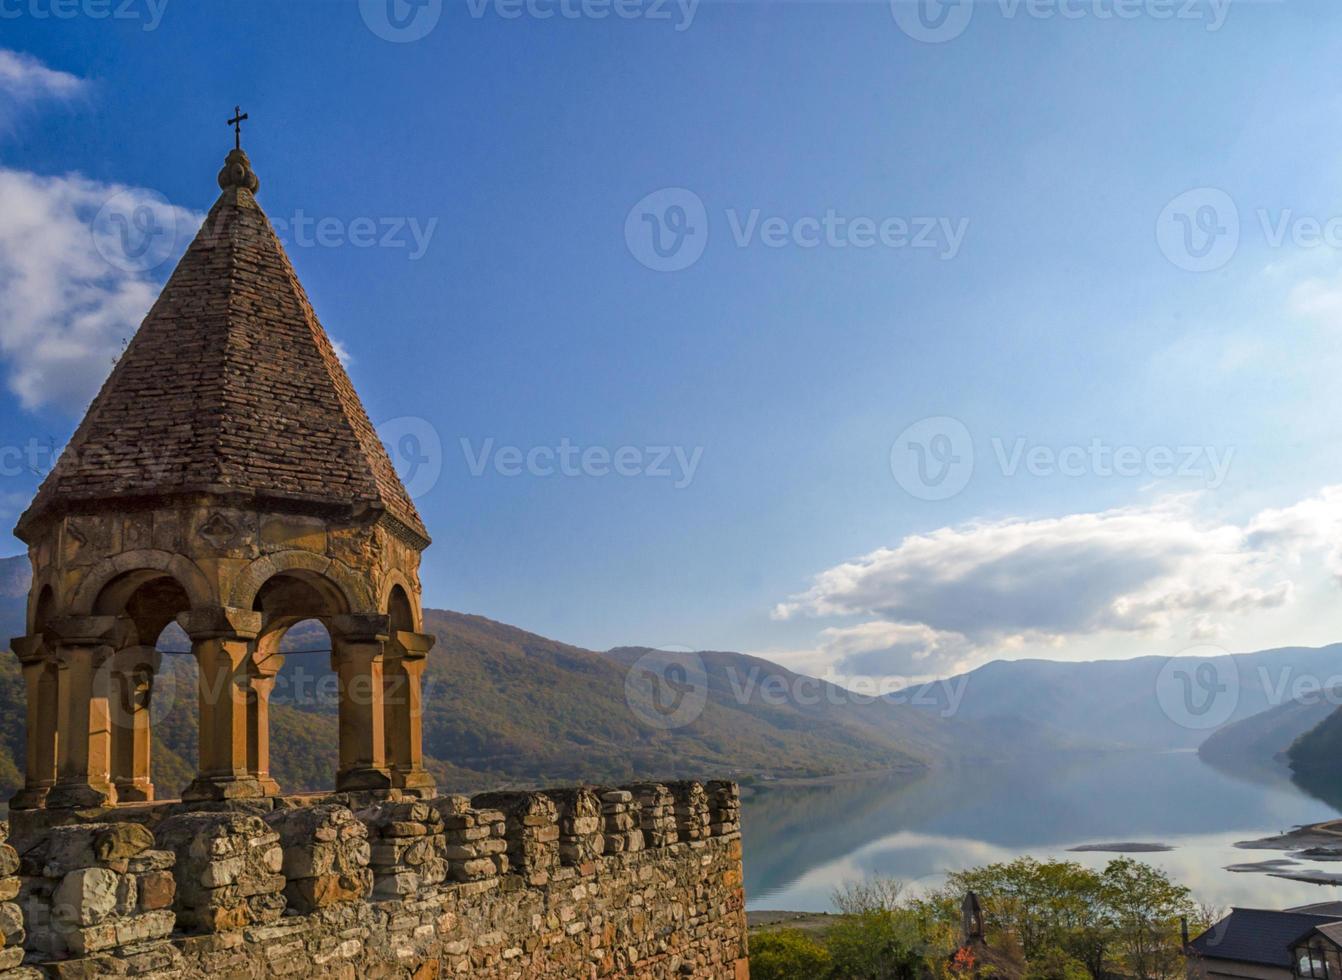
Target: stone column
point(223, 639)
point(39, 676)
point(83, 722)
point(133, 683)
point(359, 657)
point(260, 685)
point(404, 686)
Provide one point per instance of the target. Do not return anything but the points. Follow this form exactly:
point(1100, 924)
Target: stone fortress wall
point(640, 881)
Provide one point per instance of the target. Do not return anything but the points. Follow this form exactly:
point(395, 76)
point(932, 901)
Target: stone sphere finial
point(238, 172)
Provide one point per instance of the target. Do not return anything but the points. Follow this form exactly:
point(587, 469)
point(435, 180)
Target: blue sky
point(1005, 257)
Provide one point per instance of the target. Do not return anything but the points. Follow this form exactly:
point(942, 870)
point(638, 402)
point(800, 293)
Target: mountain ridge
point(507, 707)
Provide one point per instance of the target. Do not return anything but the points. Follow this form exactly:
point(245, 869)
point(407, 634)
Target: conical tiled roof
point(230, 387)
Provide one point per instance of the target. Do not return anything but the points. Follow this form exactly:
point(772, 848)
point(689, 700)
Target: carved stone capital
point(30, 649)
point(220, 623)
point(88, 631)
point(414, 646)
point(360, 628)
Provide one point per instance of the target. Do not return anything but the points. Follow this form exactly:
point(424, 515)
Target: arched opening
point(399, 609)
point(293, 698)
point(403, 687)
point(148, 602)
point(43, 609)
point(304, 710)
point(39, 733)
point(174, 713)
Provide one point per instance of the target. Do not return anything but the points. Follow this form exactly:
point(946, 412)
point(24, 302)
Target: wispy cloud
point(25, 81)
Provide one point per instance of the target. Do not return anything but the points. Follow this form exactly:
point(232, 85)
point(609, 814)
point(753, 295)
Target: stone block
point(156, 890)
point(86, 897)
point(70, 848)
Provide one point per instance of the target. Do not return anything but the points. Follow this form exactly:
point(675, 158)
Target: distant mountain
point(751, 686)
point(507, 703)
point(15, 575)
point(1316, 753)
point(1268, 735)
point(1134, 704)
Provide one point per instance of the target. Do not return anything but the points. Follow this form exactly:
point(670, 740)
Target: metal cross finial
point(236, 123)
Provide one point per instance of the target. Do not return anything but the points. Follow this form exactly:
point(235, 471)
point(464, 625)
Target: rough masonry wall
point(587, 882)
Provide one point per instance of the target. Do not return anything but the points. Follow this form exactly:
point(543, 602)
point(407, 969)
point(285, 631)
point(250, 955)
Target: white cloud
point(80, 264)
point(948, 600)
point(24, 81)
point(885, 649)
point(1319, 298)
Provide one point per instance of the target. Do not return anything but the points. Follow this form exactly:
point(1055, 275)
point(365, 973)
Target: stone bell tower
point(226, 478)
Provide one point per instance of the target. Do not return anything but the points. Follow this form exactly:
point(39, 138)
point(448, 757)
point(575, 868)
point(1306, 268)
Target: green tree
point(1144, 908)
point(787, 954)
point(1043, 904)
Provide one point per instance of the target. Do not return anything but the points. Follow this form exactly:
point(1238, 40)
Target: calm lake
point(801, 841)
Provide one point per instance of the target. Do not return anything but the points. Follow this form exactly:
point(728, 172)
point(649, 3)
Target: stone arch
point(353, 588)
point(184, 571)
point(145, 597)
point(397, 581)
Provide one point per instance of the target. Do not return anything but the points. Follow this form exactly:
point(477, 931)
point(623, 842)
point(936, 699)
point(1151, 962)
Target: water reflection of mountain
point(789, 830)
point(1047, 803)
point(1325, 786)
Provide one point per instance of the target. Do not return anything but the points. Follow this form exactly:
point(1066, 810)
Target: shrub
point(787, 954)
point(876, 945)
point(1055, 964)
